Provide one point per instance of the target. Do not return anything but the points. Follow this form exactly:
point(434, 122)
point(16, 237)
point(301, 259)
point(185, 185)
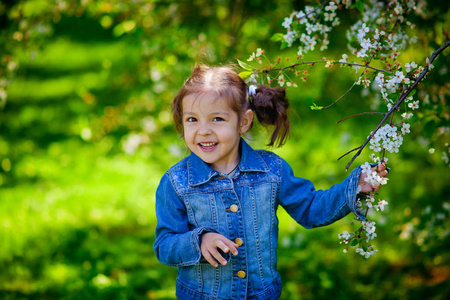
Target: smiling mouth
point(208, 146)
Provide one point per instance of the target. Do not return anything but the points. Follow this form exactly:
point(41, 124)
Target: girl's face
point(212, 130)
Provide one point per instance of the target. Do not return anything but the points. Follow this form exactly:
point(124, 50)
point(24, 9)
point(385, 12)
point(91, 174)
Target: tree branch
point(363, 113)
point(367, 65)
point(397, 104)
point(324, 61)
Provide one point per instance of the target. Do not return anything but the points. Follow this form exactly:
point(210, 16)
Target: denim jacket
point(192, 199)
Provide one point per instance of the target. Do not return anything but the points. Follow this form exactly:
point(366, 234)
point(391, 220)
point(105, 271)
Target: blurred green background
point(86, 134)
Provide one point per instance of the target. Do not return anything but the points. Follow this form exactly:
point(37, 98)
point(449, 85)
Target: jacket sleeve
point(314, 208)
point(175, 244)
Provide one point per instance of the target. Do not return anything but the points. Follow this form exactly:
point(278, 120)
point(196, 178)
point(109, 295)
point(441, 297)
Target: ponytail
point(270, 106)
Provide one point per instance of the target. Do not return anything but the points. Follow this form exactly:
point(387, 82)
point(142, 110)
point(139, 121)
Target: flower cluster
point(372, 177)
point(390, 85)
point(368, 253)
point(386, 138)
point(310, 26)
point(380, 35)
point(364, 235)
point(257, 55)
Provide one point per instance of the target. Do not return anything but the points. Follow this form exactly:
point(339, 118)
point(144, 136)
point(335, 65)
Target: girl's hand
point(366, 187)
point(210, 242)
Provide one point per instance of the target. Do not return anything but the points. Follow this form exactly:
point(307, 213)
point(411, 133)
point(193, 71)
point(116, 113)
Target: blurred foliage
point(86, 134)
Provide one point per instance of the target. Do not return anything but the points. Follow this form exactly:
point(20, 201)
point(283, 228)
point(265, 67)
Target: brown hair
point(269, 104)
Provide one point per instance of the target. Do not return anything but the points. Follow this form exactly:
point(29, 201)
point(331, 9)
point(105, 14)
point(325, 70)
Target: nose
point(204, 130)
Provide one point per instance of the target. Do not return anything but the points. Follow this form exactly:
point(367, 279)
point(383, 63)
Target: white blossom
point(281, 80)
point(405, 128)
point(414, 105)
point(287, 22)
point(410, 66)
point(344, 58)
point(289, 37)
point(407, 116)
point(381, 204)
point(331, 7)
point(344, 235)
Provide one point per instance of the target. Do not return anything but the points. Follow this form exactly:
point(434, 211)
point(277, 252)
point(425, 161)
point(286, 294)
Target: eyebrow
point(220, 113)
point(213, 113)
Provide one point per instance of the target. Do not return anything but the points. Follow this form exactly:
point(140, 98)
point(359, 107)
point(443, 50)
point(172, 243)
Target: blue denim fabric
point(192, 199)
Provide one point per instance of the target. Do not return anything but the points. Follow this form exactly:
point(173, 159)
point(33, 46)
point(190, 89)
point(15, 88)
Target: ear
point(246, 121)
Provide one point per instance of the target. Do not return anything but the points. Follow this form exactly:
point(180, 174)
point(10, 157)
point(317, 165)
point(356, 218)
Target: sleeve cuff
point(352, 192)
point(195, 242)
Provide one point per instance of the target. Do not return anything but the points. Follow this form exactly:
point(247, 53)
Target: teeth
point(207, 144)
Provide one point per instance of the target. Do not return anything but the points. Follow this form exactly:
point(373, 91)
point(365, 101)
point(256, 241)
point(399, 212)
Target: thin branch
point(397, 104)
point(392, 118)
point(342, 96)
point(363, 113)
point(311, 12)
point(321, 8)
point(349, 152)
point(366, 66)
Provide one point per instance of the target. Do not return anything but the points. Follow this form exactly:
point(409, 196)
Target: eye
point(218, 119)
point(191, 119)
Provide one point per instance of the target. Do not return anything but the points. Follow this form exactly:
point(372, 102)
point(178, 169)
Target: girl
point(216, 208)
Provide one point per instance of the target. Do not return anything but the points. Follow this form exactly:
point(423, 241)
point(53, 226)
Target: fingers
point(366, 185)
point(382, 170)
point(367, 188)
point(210, 244)
point(214, 257)
point(375, 188)
point(209, 258)
point(229, 246)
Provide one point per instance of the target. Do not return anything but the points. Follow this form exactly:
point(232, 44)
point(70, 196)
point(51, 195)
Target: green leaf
point(412, 93)
point(277, 37)
point(354, 242)
point(364, 247)
point(245, 74)
point(316, 107)
point(360, 5)
point(244, 65)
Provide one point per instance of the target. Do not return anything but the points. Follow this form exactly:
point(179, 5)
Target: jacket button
point(241, 274)
point(234, 208)
point(239, 241)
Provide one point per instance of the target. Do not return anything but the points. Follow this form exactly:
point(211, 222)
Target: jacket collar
point(200, 172)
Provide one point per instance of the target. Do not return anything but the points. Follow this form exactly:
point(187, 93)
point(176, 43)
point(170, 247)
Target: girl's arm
point(314, 208)
point(175, 244)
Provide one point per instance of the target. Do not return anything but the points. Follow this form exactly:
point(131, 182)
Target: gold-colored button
point(241, 274)
point(234, 208)
point(239, 241)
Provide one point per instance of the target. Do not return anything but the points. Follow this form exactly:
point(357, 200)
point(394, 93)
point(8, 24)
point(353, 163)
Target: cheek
point(231, 133)
point(187, 133)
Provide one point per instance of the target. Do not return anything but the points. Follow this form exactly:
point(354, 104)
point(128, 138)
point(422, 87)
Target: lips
point(207, 146)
